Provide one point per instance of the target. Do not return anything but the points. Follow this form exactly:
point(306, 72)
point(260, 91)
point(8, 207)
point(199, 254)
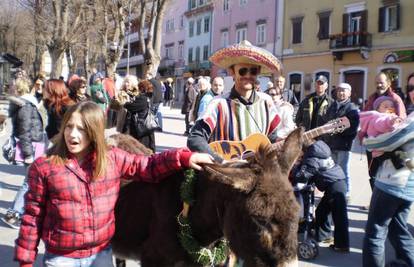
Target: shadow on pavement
point(5, 204)
point(4, 185)
point(171, 133)
point(172, 117)
point(12, 169)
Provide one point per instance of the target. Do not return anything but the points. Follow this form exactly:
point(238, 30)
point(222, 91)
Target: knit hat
point(381, 99)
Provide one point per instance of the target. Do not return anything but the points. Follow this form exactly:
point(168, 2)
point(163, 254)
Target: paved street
point(11, 177)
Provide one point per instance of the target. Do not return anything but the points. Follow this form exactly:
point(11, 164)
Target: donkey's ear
point(291, 150)
point(237, 175)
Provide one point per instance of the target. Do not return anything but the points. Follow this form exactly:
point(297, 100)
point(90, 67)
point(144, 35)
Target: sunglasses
point(273, 94)
point(253, 71)
point(410, 88)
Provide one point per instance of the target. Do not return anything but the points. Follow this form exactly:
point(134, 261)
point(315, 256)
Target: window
point(181, 21)
point(225, 5)
point(243, 2)
point(191, 28)
point(241, 34)
point(261, 34)
point(197, 55)
point(199, 26)
point(389, 18)
point(206, 24)
point(192, 4)
point(200, 2)
point(224, 38)
point(297, 30)
point(205, 53)
point(180, 50)
point(169, 52)
point(324, 25)
point(170, 25)
point(190, 55)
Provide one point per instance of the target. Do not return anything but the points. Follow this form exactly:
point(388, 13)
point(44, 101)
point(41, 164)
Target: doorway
point(356, 79)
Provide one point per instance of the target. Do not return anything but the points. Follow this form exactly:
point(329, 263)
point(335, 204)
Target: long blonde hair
point(93, 120)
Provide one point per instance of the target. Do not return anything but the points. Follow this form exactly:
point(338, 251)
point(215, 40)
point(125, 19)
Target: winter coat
point(100, 96)
point(54, 120)
point(138, 106)
point(190, 95)
point(343, 141)
point(73, 215)
point(318, 166)
point(27, 122)
point(395, 174)
point(157, 96)
point(307, 108)
point(374, 123)
point(400, 108)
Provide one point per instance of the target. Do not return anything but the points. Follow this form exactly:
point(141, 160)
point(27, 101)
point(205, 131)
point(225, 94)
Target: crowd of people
point(69, 118)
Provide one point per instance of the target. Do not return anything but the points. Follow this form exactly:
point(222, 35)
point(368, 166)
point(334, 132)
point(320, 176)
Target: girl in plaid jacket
point(72, 191)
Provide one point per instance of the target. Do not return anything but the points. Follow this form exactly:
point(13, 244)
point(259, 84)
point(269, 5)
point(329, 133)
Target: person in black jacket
point(341, 143)
point(27, 128)
point(312, 110)
point(139, 105)
point(318, 167)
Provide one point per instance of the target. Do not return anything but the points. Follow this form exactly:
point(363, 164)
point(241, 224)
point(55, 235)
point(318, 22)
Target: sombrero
point(245, 52)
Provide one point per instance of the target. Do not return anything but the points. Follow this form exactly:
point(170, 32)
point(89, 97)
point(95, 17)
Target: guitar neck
point(306, 137)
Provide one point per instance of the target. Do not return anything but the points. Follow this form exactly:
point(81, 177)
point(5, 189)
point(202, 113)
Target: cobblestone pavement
point(11, 178)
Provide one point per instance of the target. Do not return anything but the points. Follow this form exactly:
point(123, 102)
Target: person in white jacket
point(285, 111)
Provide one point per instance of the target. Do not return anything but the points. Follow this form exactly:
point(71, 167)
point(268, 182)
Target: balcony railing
point(350, 41)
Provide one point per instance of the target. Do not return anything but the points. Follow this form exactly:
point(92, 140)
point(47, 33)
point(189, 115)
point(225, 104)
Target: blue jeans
point(387, 216)
point(342, 158)
point(18, 203)
point(102, 259)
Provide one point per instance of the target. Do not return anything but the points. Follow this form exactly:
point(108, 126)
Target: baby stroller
point(308, 248)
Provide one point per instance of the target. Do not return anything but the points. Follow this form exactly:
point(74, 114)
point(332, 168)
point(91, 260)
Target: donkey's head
point(261, 214)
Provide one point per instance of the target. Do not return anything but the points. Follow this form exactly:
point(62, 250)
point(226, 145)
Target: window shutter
point(345, 22)
point(364, 20)
point(398, 17)
point(381, 19)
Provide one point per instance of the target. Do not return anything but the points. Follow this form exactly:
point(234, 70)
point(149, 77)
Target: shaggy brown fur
point(249, 203)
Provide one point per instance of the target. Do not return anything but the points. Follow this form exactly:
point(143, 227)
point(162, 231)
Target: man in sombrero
point(242, 111)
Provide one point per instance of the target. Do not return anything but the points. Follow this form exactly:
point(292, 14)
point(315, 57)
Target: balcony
point(209, 6)
point(167, 62)
point(350, 41)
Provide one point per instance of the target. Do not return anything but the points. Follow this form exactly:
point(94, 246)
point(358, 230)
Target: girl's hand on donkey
point(200, 158)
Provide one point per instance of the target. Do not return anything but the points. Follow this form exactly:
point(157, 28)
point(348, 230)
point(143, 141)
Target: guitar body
point(229, 150)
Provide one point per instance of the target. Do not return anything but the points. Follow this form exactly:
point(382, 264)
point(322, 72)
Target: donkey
point(249, 203)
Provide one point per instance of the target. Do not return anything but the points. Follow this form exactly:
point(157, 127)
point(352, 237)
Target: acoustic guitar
point(229, 150)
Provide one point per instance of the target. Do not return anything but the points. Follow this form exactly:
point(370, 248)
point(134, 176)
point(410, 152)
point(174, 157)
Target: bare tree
point(151, 18)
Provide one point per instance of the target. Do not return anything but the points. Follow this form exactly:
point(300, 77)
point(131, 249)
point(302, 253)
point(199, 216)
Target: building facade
point(258, 21)
point(347, 41)
point(199, 17)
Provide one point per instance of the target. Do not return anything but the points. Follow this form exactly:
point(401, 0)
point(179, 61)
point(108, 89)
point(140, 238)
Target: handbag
point(9, 149)
point(145, 126)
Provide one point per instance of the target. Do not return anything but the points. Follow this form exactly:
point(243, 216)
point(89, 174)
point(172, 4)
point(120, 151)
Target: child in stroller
point(317, 167)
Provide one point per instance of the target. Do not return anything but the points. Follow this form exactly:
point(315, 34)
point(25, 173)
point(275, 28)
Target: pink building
point(173, 43)
point(258, 21)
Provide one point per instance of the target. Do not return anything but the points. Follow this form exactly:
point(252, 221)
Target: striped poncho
point(229, 119)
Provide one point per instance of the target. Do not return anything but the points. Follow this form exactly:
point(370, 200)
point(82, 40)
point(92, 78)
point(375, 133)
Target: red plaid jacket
point(73, 215)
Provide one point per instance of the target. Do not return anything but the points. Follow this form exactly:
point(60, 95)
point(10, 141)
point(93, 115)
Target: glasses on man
point(253, 71)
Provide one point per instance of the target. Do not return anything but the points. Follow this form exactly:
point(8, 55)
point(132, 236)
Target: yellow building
point(347, 41)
